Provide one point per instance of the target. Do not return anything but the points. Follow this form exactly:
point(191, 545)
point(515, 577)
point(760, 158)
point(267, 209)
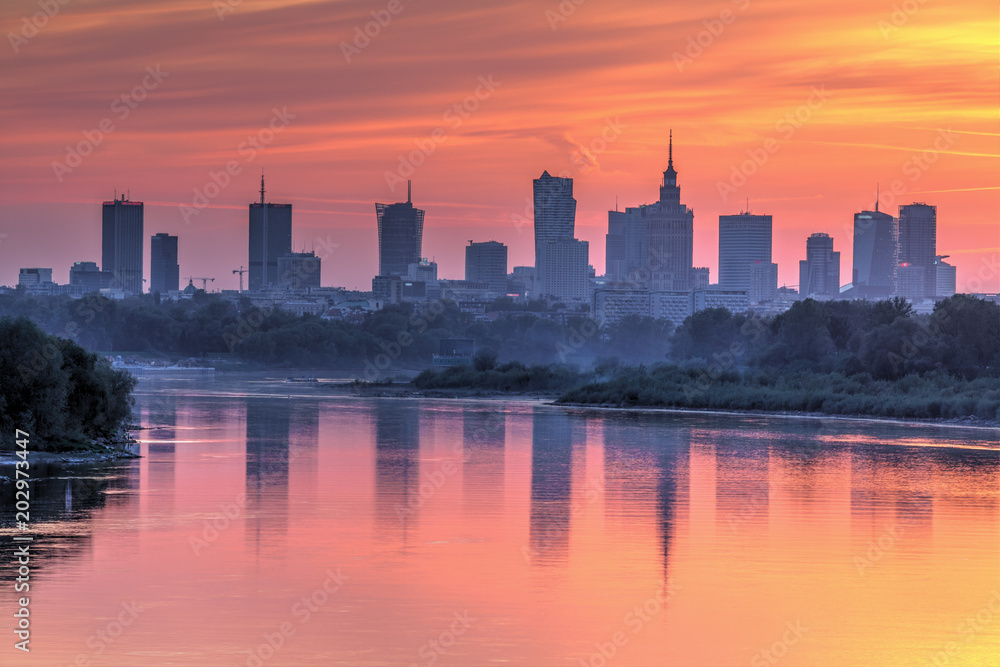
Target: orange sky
point(894, 85)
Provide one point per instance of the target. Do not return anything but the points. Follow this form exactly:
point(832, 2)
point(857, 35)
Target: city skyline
point(592, 104)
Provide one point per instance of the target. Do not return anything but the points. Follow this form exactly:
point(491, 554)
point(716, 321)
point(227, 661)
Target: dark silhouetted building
point(555, 209)
point(487, 262)
point(164, 272)
point(563, 270)
point(270, 238)
point(874, 252)
point(299, 270)
point(945, 278)
point(89, 277)
point(819, 272)
point(917, 245)
point(122, 243)
point(400, 236)
point(34, 277)
point(745, 247)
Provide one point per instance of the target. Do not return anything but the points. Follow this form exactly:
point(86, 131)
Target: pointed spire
point(670, 156)
point(408, 192)
point(261, 187)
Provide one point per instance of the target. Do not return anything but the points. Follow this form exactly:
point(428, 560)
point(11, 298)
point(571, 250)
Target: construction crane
point(241, 271)
point(204, 282)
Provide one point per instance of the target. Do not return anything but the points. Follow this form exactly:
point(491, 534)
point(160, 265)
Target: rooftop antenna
point(128, 195)
point(408, 191)
point(261, 187)
point(670, 158)
point(616, 203)
point(748, 205)
point(876, 197)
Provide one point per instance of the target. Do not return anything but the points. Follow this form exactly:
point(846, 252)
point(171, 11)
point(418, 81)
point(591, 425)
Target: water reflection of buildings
point(647, 470)
point(268, 424)
point(159, 413)
point(484, 436)
point(397, 464)
point(552, 438)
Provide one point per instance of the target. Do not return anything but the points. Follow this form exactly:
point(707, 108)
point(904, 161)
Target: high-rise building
point(819, 272)
point(400, 236)
point(670, 233)
point(917, 243)
point(657, 239)
point(122, 243)
point(299, 270)
point(744, 242)
point(874, 252)
point(944, 278)
point(487, 262)
point(763, 282)
point(87, 276)
point(164, 272)
point(555, 209)
point(562, 270)
point(270, 238)
point(34, 277)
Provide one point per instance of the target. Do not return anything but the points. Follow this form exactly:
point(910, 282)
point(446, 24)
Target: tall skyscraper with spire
point(400, 236)
point(270, 238)
point(657, 240)
point(122, 243)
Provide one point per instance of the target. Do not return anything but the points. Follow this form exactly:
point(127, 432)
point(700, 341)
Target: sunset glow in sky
point(161, 95)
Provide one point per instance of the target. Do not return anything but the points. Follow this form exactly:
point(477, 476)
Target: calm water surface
point(276, 524)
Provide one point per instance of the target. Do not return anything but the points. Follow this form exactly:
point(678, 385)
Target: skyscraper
point(819, 272)
point(164, 273)
point(122, 243)
point(744, 240)
point(918, 243)
point(270, 238)
point(562, 270)
point(670, 233)
point(874, 252)
point(487, 262)
point(400, 236)
point(89, 277)
point(299, 270)
point(555, 209)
